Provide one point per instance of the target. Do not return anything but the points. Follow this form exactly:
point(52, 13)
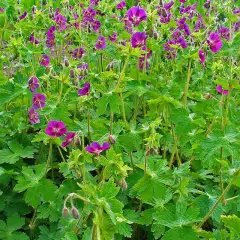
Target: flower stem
point(49, 157)
point(219, 199)
point(187, 84)
point(131, 157)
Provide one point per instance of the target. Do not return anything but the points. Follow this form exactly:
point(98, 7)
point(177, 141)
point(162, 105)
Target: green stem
point(131, 157)
point(187, 84)
point(49, 157)
point(219, 199)
point(122, 72)
point(61, 154)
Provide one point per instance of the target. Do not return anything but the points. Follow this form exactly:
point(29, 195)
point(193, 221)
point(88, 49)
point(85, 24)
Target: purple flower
point(94, 2)
point(38, 101)
point(121, 5)
point(224, 33)
point(23, 16)
point(56, 129)
point(33, 116)
point(61, 21)
point(78, 53)
point(202, 56)
point(69, 138)
point(136, 15)
point(96, 148)
point(139, 39)
point(168, 6)
point(199, 24)
point(45, 60)
point(181, 41)
point(182, 1)
point(113, 38)
point(219, 89)
point(33, 40)
point(168, 45)
point(33, 84)
point(85, 90)
point(95, 25)
point(207, 4)
point(50, 42)
point(101, 43)
point(2, 9)
point(214, 42)
point(89, 14)
point(143, 63)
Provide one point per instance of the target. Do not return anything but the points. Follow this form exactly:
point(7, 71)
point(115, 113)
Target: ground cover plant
point(119, 120)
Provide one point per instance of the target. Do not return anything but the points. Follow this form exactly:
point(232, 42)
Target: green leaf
point(9, 229)
point(124, 229)
point(15, 152)
point(176, 216)
point(232, 222)
point(186, 233)
point(130, 141)
point(38, 188)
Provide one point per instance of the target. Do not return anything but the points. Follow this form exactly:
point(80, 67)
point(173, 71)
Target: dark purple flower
point(101, 43)
point(96, 148)
point(136, 15)
point(94, 2)
point(199, 24)
point(237, 11)
point(78, 53)
point(95, 25)
point(219, 89)
point(168, 6)
point(165, 17)
point(182, 1)
point(181, 41)
point(143, 63)
point(50, 42)
point(61, 21)
point(113, 37)
point(56, 129)
point(33, 84)
point(89, 14)
point(224, 33)
point(168, 45)
point(139, 39)
point(214, 42)
point(85, 90)
point(121, 5)
point(23, 16)
point(33, 116)
point(45, 60)
point(2, 9)
point(202, 56)
point(236, 26)
point(69, 138)
point(33, 39)
point(207, 4)
point(38, 101)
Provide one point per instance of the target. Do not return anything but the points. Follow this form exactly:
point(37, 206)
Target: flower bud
point(72, 73)
point(110, 66)
point(123, 184)
point(77, 140)
point(111, 139)
point(65, 212)
point(75, 213)
point(66, 62)
point(34, 8)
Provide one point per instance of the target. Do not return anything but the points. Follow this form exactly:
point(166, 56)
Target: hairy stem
point(219, 199)
point(187, 84)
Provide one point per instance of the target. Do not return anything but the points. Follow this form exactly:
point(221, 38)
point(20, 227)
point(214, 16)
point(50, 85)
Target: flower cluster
point(50, 41)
